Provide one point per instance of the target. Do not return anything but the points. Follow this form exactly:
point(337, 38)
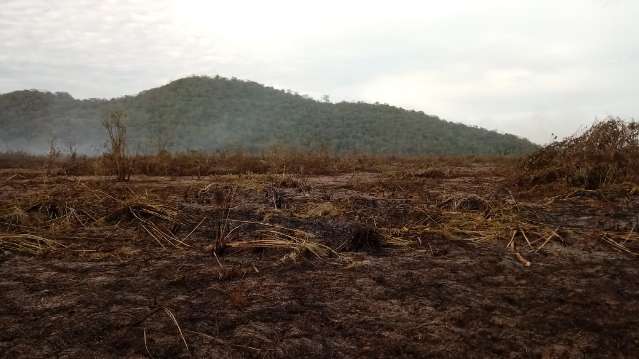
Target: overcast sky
point(531, 68)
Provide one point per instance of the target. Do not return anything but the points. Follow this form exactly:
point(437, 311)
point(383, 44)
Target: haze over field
point(210, 114)
point(529, 68)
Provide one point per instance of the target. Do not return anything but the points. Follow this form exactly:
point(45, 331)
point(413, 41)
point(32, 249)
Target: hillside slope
point(202, 113)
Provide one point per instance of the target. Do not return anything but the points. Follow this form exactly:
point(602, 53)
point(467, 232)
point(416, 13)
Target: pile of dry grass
point(158, 220)
point(27, 243)
point(51, 208)
point(300, 244)
point(52, 211)
point(466, 202)
point(324, 209)
point(141, 209)
point(608, 152)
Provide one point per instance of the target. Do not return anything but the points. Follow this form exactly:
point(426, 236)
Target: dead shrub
point(50, 208)
point(275, 196)
point(606, 153)
point(52, 156)
point(116, 158)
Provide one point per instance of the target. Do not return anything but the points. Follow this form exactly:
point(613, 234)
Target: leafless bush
point(116, 157)
point(52, 156)
point(608, 152)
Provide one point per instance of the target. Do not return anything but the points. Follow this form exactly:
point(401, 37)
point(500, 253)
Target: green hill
point(202, 113)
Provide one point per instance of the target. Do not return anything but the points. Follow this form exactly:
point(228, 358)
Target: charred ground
point(427, 257)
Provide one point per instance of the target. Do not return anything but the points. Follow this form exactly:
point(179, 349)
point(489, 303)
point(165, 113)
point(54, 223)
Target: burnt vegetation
point(322, 254)
point(606, 153)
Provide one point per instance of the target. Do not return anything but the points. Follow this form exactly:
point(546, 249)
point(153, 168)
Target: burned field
point(445, 259)
point(398, 263)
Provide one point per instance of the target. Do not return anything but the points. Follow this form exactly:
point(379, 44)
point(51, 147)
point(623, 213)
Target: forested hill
point(203, 113)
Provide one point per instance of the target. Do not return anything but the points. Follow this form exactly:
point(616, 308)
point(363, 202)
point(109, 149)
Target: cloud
point(528, 67)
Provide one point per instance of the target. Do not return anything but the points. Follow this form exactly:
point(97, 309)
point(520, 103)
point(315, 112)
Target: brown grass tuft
point(466, 202)
point(28, 243)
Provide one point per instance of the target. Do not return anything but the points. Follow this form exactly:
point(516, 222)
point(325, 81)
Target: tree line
point(209, 114)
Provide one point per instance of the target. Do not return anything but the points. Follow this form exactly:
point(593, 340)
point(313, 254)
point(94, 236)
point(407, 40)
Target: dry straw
point(28, 243)
point(607, 152)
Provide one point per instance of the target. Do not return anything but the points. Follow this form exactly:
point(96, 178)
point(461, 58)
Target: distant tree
point(53, 155)
point(115, 126)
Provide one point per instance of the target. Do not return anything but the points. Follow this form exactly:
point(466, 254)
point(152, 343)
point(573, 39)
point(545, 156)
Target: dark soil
point(113, 292)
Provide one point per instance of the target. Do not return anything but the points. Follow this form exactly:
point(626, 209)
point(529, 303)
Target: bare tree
point(115, 125)
point(53, 155)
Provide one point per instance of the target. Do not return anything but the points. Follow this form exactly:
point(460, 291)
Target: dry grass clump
point(608, 152)
point(300, 244)
point(51, 208)
point(70, 207)
point(298, 247)
point(52, 211)
point(324, 209)
point(158, 220)
point(140, 209)
point(27, 243)
point(466, 202)
point(14, 217)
